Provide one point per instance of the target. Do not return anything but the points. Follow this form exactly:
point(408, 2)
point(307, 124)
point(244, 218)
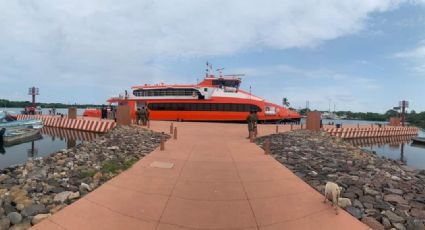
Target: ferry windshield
point(226, 82)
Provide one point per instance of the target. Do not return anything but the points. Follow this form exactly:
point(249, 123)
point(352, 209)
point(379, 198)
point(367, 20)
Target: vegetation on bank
point(22, 104)
point(417, 119)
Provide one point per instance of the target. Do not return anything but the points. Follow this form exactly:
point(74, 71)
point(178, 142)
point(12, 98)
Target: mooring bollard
point(175, 133)
point(292, 127)
point(171, 128)
point(251, 136)
point(301, 126)
point(149, 124)
point(358, 125)
point(162, 143)
point(267, 146)
point(277, 129)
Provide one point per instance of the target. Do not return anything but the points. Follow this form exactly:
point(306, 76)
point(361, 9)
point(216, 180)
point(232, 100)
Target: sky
point(363, 55)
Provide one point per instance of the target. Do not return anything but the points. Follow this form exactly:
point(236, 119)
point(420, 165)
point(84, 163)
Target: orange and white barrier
point(69, 134)
point(99, 126)
point(350, 133)
point(394, 140)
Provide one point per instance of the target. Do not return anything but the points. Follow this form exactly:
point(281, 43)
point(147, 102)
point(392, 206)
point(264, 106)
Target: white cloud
point(415, 58)
point(347, 91)
point(108, 43)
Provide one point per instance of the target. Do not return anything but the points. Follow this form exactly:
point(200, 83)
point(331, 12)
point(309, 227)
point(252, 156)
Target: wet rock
point(4, 177)
point(9, 208)
point(354, 212)
point(399, 226)
point(85, 187)
point(419, 213)
point(392, 198)
point(14, 217)
point(34, 210)
point(386, 223)
point(372, 223)
point(370, 191)
point(62, 197)
point(394, 191)
point(4, 223)
point(394, 218)
point(38, 218)
point(396, 178)
point(358, 204)
point(74, 195)
point(22, 226)
point(415, 224)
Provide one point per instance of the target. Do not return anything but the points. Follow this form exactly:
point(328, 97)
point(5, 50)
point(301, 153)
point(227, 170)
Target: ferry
point(216, 98)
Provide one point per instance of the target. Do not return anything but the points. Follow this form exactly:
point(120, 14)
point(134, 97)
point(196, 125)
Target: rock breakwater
point(384, 193)
point(33, 191)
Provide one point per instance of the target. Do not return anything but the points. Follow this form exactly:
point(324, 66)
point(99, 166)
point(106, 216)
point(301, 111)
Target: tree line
point(412, 117)
point(22, 104)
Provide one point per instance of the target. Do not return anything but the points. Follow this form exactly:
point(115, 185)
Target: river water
point(395, 148)
point(52, 140)
point(44, 110)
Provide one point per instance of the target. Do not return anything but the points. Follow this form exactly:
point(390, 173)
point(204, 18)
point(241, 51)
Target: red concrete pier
point(211, 177)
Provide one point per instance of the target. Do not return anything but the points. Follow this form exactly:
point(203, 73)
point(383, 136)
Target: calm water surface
point(53, 139)
point(394, 148)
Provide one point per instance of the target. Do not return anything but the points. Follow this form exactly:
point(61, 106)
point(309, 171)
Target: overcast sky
point(359, 55)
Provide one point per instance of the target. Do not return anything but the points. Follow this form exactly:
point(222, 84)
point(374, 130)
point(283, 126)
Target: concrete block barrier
point(351, 133)
point(98, 126)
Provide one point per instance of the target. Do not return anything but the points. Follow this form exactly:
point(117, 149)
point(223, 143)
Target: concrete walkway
point(217, 180)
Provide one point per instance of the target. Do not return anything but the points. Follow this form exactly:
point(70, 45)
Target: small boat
point(9, 121)
point(419, 140)
point(18, 136)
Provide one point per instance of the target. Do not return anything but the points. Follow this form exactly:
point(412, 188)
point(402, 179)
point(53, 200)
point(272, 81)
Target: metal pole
point(267, 146)
point(403, 112)
point(162, 143)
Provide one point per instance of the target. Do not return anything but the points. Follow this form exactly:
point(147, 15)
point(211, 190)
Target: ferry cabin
point(214, 99)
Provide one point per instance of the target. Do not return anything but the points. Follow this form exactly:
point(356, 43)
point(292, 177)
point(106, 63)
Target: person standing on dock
point(252, 120)
point(144, 116)
point(138, 116)
point(147, 114)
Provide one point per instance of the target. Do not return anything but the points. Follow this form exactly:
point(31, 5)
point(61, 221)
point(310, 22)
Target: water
point(398, 148)
point(45, 111)
point(53, 139)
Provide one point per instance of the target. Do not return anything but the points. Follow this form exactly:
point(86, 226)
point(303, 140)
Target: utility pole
point(330, 105)
point(403, 105)
point(33, 91)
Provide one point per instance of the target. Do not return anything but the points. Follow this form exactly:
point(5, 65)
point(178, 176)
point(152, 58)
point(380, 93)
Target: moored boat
point(213, 99)
point(418, 140)
point(18, 136)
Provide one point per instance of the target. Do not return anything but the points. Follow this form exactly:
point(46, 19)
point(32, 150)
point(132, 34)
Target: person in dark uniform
point(138, 116)
point(144, 116)
point(252, 120)
point(147, 114)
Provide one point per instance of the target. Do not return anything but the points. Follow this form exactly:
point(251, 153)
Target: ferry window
point(227, 107)
point(173, 107)
point(186, 107)
point(214, 107)
point(205, 89)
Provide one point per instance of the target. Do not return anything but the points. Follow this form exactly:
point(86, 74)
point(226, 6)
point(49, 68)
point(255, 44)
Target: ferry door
point(140, 104)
